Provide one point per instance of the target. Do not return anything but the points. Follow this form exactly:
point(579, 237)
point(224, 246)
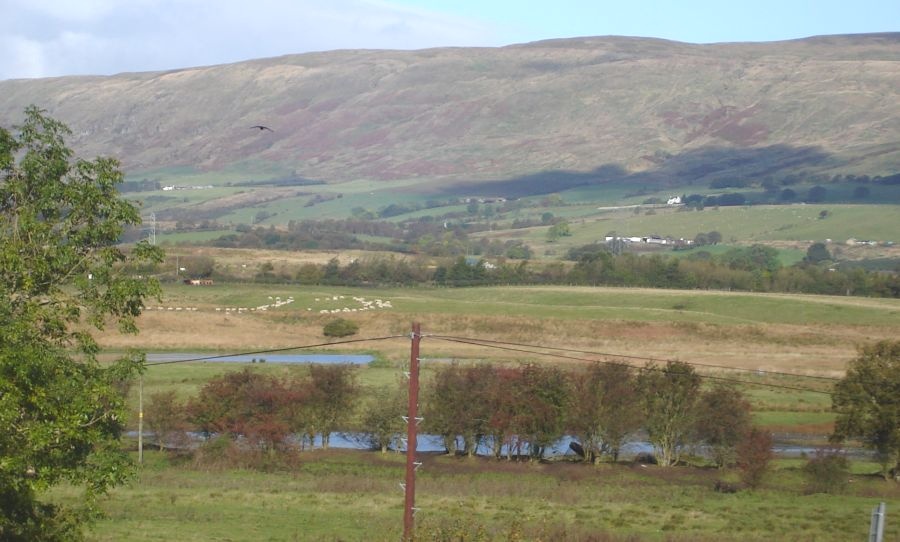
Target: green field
point(761, 223)
point(355, 496)
point(585, 303)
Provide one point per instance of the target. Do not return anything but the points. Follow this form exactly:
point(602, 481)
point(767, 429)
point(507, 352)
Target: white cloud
point(50, 37)
point(23, 57)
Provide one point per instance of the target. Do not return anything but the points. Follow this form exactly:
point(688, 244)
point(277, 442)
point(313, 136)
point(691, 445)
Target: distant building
point(674, 200)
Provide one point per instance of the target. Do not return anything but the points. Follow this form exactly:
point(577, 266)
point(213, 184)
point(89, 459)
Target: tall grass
point(355, 496)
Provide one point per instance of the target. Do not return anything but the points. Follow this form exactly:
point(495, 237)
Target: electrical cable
point(642, 358)
point(475, 342)
point(274, 350)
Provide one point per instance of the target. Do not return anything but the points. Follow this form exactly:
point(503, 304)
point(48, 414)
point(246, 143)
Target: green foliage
point(669, 396)
point(723, 419)
point(165, 417)
point(264, 410)
point(332, 392)
point(382, 420)
point(60, 273)
point(827, 472)
point(340, 328)
point(604, 410)
point(816, 253)
point(867, 401)
point(816, 194)
point(522, 408)
point(245, 404)
point(560, 229)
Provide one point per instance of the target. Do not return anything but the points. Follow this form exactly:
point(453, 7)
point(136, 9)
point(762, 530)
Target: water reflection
point(355, 359)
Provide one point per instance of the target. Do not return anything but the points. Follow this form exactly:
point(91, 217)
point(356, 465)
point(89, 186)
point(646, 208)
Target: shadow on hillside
point(697, 167)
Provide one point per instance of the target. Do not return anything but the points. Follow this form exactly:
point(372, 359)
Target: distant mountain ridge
point(600, 108)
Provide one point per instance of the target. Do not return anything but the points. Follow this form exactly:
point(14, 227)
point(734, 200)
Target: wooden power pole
point(412, 422)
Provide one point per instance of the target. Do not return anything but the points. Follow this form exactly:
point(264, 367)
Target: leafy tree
point(458, 403)
point(61, 273)
point(867, 401)
point(817, 252)
point(816, 194)
point(605, 409)
point(502, 405)
point(670, 397)
point(754, 454)
point(244, 404)
point(340, 328)
point(541, 413)
point(198, 265)
point(165, 417)
point(382, 422)
point(827, 472)
point(560, 229)
point(731, 199)
point(723, 419)
point(519, 251)
point(333, 392)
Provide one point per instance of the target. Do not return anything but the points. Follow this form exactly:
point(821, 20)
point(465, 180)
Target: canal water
point(171, 357)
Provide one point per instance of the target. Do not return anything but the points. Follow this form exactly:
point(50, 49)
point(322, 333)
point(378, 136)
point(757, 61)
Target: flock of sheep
point(277, 301)
point(366, 305)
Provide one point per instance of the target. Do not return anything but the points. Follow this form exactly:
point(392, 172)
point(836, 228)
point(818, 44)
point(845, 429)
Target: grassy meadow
point(343, 495)
point(354, 495)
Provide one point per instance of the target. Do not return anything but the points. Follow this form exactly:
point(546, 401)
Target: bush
point(827, 472)
point(340, 328)
point(754, 453)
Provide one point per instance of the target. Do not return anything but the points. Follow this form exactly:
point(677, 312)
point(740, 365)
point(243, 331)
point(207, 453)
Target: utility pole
point(412, 421)
point(152, 236)
point(876, 527)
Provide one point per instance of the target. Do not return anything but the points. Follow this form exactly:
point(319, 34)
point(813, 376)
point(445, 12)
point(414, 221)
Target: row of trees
point(754, 268)
point(511, 411)
point(501, 411)
point(267, 412)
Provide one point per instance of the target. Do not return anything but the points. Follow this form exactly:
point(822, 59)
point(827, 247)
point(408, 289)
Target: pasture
point(720, 331)
point(354, 495)
point(794, 333)
point(340, 495)
point(766, 224)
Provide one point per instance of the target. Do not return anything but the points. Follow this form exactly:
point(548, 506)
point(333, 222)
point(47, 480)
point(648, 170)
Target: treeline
point(754, 268)
point(505, 412)
point(423, 236)
point(508, 412)
point(268, 413)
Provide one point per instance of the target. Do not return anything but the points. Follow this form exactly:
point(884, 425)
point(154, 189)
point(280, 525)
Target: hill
point(524, 119)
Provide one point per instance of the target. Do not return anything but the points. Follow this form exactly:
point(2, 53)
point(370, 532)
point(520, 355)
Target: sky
point(48, 38)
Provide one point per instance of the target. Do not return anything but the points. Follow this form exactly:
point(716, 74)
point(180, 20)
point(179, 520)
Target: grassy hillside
point(562, 112)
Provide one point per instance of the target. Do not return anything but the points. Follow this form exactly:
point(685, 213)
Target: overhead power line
point(498, 345)
point(274, 350)
point(524, 348)
point(643, 358)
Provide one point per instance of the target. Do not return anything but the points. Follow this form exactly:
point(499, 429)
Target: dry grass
point(812, 349)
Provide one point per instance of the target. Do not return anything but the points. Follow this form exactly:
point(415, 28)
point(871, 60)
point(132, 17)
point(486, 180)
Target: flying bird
point(260, 127)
